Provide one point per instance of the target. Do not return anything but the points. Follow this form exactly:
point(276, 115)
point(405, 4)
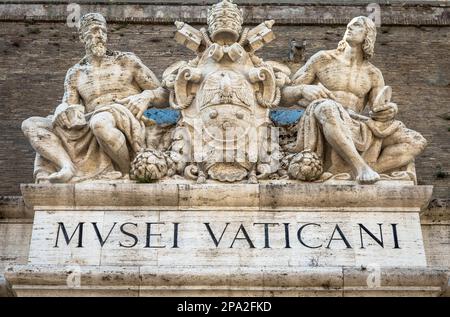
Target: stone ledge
point(265, 196)
point(5, 287)
point(242, 2)
point(401, 13)
point(13, 207)
point(226, 281)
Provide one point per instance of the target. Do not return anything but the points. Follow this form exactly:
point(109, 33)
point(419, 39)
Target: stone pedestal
point(217, 239)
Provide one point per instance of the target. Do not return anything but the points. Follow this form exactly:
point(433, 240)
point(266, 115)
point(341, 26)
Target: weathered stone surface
point(232, 238)
point(99, 126)
point(303, 196)
point(265, 196)
point(286, 12)
point(132, 247)
point(14, 207)
point(126, 194)
point(5, 288)
point(207, 196)
point(48, 194)
point(334, 127)
point(227, 89)
point(436, 239)
point(221, 281)
point(434, 223)
point(15, 237)
point(377, 281)
point(428, 80)
point(76, 281)
point(179, 234)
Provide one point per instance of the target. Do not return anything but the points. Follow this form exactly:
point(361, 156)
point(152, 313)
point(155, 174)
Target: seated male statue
point(99, 126)
point(338, 85)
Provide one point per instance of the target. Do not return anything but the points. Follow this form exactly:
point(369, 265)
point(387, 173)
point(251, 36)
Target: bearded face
point(98, 49)
point(94, 39)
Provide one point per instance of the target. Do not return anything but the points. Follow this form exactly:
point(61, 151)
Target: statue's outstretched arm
point(305, 76)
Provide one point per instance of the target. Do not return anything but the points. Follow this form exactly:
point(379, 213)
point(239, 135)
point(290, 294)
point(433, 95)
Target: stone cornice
point(226, 281)
point(258, 197)
point(285, 13)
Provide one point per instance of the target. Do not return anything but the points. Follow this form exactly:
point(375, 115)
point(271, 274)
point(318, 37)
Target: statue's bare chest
point(96, 81)
point(338, 76)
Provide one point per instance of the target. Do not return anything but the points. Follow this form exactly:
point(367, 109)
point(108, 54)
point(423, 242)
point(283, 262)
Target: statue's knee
point(418, 142)
point(326, 110)
point(97, 123)
point(28, 126)
point(414, 142)
point(100, 125)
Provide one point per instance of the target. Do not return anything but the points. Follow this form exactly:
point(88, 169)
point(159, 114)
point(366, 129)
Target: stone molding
point(286, 13)
point(265, 196)
point(225, 281)
point(5, 287)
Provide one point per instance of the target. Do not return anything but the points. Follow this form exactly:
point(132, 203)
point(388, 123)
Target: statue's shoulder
point(323, 56)
point(73, 71)
point(128, 57)
point(374, 72)
point(82, 63)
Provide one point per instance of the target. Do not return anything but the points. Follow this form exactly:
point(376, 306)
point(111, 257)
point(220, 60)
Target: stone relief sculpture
point(338, 85)
point(99, 126)
point(224, 96)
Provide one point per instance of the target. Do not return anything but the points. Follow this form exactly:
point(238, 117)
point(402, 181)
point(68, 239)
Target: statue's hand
point(384, 113)
point(69, 116)
point(313, 92)
point(61, 120)
point(137, 104)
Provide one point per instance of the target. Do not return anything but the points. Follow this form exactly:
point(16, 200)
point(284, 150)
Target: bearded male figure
point(99, 126)
point(338, 85)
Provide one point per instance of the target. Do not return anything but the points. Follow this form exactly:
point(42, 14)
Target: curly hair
point(369, 42)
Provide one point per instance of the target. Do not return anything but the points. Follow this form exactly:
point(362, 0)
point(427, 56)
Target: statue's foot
point(367, 176)
point(114, 175)
point(42, 178)
point(252, 179)
point(63, 176)
point(201, 179)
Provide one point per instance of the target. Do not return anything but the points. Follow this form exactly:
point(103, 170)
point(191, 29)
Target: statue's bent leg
point(339, 136)
point(39, 132)
point(111, 140)
point(43, 168)
point(399, 149)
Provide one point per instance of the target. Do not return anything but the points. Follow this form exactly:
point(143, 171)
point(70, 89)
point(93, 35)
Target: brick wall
point(35, 56)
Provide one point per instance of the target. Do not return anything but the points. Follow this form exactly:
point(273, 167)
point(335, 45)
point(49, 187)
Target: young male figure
point(339, 84)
